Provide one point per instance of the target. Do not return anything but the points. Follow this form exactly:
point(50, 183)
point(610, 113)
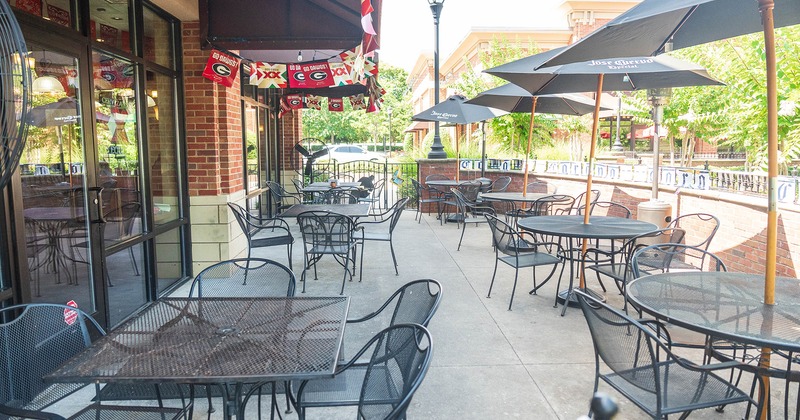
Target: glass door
point(55, 191)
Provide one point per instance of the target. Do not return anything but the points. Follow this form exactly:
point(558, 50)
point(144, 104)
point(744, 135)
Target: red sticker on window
point(70, 316)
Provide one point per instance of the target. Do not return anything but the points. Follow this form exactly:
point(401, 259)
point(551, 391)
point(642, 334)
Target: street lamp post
point(617, 147)
point(437, 150)
point(389, 113)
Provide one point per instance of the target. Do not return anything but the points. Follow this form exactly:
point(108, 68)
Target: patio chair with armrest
point(262, 232)
point(328, 233)
point(281, 198)
point(500, 184)
point(383, 386)
point(520, 250)
point(469, 211)
point(701, 229)
point(38, 338)
point(427, 195)
point(643, 368)
point(414, 303)
point(541, 187)
point(547, 205)
point(381, 230)
point(375, 197)
point(580, 202)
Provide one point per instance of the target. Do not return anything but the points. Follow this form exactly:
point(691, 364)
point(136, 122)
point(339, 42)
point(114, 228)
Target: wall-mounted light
point(299, 56)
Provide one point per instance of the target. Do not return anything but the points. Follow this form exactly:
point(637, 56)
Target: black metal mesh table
point(724, 305)
point(351, 210)
point(573, 228)
point(217, 340)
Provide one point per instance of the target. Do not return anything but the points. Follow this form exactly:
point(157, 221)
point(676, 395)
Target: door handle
point(96, 205)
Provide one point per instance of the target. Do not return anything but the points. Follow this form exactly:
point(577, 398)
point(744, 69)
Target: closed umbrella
point(512, 98)
point(615, 74)
point(454, 110)
point(56, 114)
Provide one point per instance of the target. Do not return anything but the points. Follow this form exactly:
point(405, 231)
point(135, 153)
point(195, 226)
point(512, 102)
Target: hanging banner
point(370, 67)
point(58, 15)
point(369, 43)
point(313, 102)
point(335, 104)
point(349, 57)
point(366, 17)
point(31, 6)
point(266, 75)
point(310, 75)
point(295, 101)
point(357, 101)
point(341, 75)
point(285, 109)
point(221, 68)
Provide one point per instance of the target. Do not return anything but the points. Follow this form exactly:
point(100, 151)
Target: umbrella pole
point(528, 153)
point(767, 19)
point(483, 149)
point(587, 197)
point(458, 158)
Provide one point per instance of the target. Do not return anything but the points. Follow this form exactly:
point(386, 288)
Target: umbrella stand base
point(573, 300)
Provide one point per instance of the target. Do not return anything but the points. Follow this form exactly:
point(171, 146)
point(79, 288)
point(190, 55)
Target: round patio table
point(573, 228)
point(727, 306)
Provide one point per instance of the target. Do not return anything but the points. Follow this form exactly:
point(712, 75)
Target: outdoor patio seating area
point(488, 361)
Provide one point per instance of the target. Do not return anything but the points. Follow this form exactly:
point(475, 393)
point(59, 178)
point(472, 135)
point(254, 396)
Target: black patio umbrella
point(648, 27)
point(512, 98)
point(454, 110)
point(623, 74)
point(56, 114)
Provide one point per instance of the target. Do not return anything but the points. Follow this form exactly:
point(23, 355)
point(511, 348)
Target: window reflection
point(163, 147)
point(109, 23)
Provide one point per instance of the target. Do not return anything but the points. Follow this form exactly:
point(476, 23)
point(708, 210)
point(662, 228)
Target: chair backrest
point(580, 202)
point(120, 221)
point(416, 302)
point(276, 191)
point(396, 211)
point(470, 190)
point(401, 357)
point(243, 277)
point(298, 185)
point(553, 204)
point(500, 184)
point(608, 208)
point(702, 226)
point(242, 216)
point(504, 237)
point(326, 230)
point(541, 187)
point(36, 339)
point(339, 196)
point(672, 257)
point(623, 344)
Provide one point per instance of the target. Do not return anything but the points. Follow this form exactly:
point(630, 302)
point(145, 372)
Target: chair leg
point(394, 259)
point(494, 274)
point(463, 228)
point(514, 288)
point(133, 262)
point(289, 252)
point(361, 264)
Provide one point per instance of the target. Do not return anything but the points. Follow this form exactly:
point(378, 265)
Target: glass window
point(157, 28)
point(169, 259)
point(56, 11)
point(163, 147)
point(117, 140)
point(252, 136)
point(109, 23)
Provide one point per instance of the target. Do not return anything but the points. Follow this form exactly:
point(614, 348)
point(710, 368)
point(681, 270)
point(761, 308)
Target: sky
point(407, 25)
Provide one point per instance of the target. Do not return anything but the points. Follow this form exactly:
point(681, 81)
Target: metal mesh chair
point(375, 196)
point(281, 198)
point(38, 338)
point(339, 196)
point(326, 233)
point(381, 230)
point(500, 184)
point(512, 248)
point(263, 231)
point(541, 187)
point(469, 211)
point(244, 277)
point(644, 369)
point(427, 195)
point(381, 388)
point(414, 303)
point(580, 202)
point(701, 229)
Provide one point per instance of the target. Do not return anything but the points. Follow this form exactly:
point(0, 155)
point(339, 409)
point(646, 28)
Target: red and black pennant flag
point(335, 104)
point(310, 75)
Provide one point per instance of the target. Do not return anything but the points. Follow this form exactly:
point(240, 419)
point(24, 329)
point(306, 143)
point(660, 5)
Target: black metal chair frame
point(469, 211)
point(401, 356)
point(44, 344)
point(512, 248)
point(281, 198)
point(368, 231)
point(433, 196)
point(262, 232)
point(328, 233)
point(500, 184)
point(640, 357)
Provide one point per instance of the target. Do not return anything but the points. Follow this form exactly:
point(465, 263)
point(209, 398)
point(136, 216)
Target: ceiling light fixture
point(47, 84)
point(299, 56)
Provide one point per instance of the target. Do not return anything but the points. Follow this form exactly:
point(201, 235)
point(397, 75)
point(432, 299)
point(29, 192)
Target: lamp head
point(47, 84)
point(436, 7)
point(389, 111)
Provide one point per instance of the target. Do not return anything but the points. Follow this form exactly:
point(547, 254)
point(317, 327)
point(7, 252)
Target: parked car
point(349, 153)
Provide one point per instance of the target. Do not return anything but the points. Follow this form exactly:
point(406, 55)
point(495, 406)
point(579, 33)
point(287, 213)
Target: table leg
point(566, 297)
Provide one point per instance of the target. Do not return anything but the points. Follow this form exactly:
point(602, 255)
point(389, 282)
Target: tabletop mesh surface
point(218, 340)
point(728, 305)
point(599, 227)
point(352, 210)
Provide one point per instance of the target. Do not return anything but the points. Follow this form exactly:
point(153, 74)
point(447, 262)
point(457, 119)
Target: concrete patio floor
point(489, 362)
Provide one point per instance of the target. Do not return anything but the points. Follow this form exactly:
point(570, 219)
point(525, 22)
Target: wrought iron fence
point(397, 176)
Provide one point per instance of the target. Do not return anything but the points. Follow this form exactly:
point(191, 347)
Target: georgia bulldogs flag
point(310, 75)
point(221, 68)
point(295, 101)
point(335, 104)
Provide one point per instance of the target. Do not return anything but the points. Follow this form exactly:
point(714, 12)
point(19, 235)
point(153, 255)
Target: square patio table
point(351, 210)
point(321, 186)
point(225, 341)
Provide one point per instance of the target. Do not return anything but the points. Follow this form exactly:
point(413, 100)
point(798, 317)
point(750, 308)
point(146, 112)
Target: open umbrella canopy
point(647, 27)
point(620, 74)
point(512, 98)
point(454, 110)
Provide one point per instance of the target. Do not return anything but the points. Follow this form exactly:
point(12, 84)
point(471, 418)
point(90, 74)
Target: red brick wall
point(213, 124)
point(740, 240)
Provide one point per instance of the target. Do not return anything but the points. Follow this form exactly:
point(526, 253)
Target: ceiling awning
point(276, 30)
point(418, 126)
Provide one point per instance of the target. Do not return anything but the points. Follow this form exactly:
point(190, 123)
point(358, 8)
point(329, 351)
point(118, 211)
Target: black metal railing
point(397, 176)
